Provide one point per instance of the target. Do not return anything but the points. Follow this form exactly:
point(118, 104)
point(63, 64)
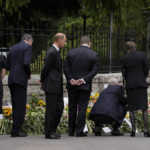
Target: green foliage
point(35, 118)
point(121, 9)
point(13, 6)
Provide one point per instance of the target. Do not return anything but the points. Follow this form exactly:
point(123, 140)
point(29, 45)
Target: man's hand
point(73, 82)
point(3, 71)
point(39, 82)
point(80, 82)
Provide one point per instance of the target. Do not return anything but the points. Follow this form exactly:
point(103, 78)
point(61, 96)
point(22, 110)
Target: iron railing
point(100, 37)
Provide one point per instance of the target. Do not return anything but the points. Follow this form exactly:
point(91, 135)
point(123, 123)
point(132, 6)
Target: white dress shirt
point(57, 48)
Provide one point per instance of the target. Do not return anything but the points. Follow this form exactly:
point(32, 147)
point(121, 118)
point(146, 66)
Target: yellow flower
point(88, 111)
point(91, 97)
point(41, 103)
point(27, 106)
point(127, 115)
point(7, 112)
point(44, 104)
point(96, 95)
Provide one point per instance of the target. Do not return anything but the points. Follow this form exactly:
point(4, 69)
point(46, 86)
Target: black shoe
point(53, 136)
point(132, 133)
point(97, 131)
point(146, 133)
point(116, 133)
point(21, 134)
point(81, 135)
point(98, 134)
point(58, 135)
point(71, 133)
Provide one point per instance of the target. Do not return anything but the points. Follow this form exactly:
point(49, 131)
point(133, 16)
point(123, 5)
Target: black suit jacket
point(81, 62)
point(51, 76)
point(135, 69)
point(18, 62)
point(111, 103)
point(2, 62)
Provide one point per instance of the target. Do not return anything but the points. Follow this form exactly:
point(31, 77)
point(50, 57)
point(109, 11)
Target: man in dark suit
point(80, 66)
point(18, 62)
point(52, 84)
point(135, 70)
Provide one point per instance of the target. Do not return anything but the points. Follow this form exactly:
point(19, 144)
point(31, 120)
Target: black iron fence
point(43, 38)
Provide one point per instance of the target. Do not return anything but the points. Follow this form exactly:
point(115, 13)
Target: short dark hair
point(59, 36)
point(26, 36)
point(85, 39)
point(130, 45)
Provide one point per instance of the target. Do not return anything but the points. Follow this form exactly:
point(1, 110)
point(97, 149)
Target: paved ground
point(72, 143)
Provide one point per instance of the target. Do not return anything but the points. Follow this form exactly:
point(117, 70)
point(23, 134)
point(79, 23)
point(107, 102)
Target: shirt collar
point(85, 45)
point(56, 47)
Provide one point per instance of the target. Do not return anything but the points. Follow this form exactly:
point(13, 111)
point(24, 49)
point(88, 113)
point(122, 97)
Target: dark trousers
point(1, 96)
point(99, 120)
point(54, 110)
point(78, 102)
point(18, 98)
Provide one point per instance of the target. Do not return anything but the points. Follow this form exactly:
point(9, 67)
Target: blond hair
point(130, 45)
point(113, 81)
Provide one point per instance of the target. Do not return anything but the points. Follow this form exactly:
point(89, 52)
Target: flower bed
point(35, 118)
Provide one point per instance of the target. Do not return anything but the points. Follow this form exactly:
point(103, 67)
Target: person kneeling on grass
point(110, 108)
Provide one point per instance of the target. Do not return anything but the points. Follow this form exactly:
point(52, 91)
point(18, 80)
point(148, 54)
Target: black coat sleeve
point(122, 99)
point(67, 68)
point(8, 61)
point(27, 60)
point(123, 69)
point(93, 71)
point(145, 66)
point(3, 61)
point(47, 66)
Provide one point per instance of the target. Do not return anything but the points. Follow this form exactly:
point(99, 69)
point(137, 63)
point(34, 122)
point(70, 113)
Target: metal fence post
point(110, 42)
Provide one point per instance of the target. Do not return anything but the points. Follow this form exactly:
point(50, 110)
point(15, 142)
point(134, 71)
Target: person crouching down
point(110, 108)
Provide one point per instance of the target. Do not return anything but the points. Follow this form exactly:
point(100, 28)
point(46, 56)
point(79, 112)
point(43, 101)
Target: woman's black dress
point(137, 99)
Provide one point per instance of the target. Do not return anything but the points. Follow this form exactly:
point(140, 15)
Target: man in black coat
point(18, 62)
point(80, 66)
point(135, 70)
point(52, 84)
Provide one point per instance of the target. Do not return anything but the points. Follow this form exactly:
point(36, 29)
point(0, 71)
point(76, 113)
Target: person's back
point(134, 62)
point(82, 60)
point(18, 63)
point(110, 102)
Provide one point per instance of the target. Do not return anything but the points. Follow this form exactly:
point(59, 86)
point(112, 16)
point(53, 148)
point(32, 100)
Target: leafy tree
point(121, 9)
point(36, 10)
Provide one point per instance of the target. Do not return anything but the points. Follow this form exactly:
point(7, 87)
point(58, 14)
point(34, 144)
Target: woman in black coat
point(109, 108)
point(135, 70)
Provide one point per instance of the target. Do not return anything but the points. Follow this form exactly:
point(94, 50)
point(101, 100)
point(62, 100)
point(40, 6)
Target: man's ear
point(90, 44)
